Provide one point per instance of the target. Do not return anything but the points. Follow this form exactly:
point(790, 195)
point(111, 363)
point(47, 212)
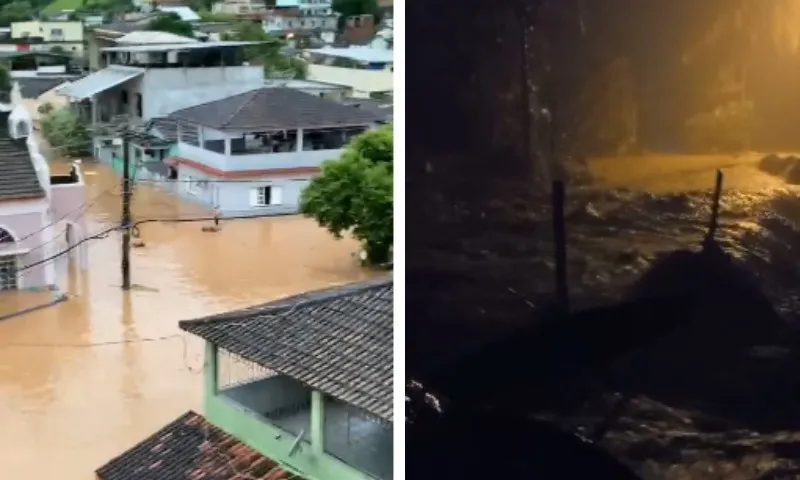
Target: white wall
point(170, 89)
point(363, 82)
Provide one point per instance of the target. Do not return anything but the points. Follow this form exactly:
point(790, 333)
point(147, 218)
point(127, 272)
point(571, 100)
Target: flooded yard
point(86, 379)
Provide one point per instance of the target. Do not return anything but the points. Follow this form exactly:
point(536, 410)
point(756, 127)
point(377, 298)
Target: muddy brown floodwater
point(82, 381)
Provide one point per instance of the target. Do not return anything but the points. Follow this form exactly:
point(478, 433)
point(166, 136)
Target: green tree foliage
point(5, 80)
point(172, 23)
point(17, 11)
point(63, 129)
point(354, 194)
point(348, 8)
point(268, 53)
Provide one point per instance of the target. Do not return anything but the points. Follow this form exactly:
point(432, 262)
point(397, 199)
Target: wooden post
point(714, 220)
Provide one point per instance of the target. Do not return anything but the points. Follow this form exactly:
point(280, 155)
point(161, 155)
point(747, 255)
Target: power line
point(91, 344)
point(104, 233)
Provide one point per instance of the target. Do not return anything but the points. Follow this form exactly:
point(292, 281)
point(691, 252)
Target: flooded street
point(84, 380)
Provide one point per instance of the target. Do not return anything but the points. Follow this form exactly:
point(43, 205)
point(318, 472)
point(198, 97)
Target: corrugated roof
point(185, 13)
point(358, 53)
point(100, 81)
point(147, 37)
point(192, 448)
point(272, 109)
point(173, 47)
point(18, 178)
point(337, 340)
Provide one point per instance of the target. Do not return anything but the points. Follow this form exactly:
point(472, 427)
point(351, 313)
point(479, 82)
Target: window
point(123, 97)
point(22, 129)
point(266, 196)
point(57, 32)
point(139, 105)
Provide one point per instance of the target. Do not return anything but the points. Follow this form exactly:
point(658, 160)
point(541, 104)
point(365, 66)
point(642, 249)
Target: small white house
point(255, 152)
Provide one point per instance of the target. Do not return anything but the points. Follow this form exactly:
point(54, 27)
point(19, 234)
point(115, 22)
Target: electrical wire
point(104, 233)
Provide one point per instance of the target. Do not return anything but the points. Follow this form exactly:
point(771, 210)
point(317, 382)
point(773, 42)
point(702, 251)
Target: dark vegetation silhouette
point(680, 363)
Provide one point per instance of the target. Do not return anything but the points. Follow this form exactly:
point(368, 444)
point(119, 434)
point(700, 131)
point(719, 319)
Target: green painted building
point(304, 384)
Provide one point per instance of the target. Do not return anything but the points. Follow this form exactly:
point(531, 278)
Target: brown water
point(82, 381)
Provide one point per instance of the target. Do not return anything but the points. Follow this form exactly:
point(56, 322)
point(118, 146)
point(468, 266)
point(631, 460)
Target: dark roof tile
point(274, 108)
point(192, 448)
point(337, 340)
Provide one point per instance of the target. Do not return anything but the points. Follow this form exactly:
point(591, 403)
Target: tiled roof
point(273, 108)
point(33, 87)
point(18, 178)
point(166, 127)
point(190, 448)
point(337, 340)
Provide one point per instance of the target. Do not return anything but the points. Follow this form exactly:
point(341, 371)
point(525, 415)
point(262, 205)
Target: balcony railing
point(256, 161)
point(353, 445)
point(358, 439)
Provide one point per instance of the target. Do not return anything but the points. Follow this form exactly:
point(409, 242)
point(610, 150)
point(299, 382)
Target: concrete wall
point(271, 395)
point(68, 204)
point(256, 161)
point(169, 89)
point(363, 82)
point(234, 198)
point(21, 219)
point(310, 461)
point(71, 31)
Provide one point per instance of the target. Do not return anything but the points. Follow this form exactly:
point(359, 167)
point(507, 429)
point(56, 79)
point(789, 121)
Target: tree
point(349, 8)
point(268, 53)
point(15, 12)
point(354, 194)
point(172, 23)
point(5, 80)
point(63, 129)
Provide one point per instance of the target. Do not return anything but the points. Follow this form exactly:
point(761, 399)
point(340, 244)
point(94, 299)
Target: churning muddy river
point(715, 398)
point(84, 380)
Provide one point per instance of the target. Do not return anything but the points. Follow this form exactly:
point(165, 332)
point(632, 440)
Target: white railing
point(256, 161)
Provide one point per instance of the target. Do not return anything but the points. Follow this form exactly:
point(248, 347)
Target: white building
point(255, 152)
point(367, 70)
point(314, 7)
point(145, 82)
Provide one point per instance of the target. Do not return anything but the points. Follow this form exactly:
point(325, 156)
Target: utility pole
point(126, 212)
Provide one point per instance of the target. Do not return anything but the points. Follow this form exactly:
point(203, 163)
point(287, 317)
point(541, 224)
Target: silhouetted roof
point(274, 108)
point(33, 87)
point(191, 447)
point(18, 178)
point(337, 340)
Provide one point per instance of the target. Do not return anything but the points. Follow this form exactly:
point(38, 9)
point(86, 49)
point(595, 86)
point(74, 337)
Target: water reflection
point(78, 405)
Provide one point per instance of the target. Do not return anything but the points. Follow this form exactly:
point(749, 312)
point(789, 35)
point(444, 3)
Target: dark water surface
point(711, 397)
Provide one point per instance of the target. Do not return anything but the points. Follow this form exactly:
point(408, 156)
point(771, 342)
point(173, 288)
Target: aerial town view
point(196, 239)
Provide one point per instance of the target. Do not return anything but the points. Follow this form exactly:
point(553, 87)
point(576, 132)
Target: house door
point(8, 272)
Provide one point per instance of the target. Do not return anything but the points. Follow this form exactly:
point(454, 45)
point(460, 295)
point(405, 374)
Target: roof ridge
point(208, 103)
point(291, 302)
point(251, 97)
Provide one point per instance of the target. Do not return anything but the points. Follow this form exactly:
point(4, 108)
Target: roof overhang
point(98, 82)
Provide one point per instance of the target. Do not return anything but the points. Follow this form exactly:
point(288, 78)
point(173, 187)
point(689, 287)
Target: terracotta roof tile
point(190, 448)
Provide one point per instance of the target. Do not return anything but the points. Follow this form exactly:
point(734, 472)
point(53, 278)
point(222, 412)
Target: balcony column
point(210, 370)
point(299, 140)
point(317, 422)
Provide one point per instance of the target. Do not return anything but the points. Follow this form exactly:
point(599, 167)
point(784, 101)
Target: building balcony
point(255, 160)
point(316, 436)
